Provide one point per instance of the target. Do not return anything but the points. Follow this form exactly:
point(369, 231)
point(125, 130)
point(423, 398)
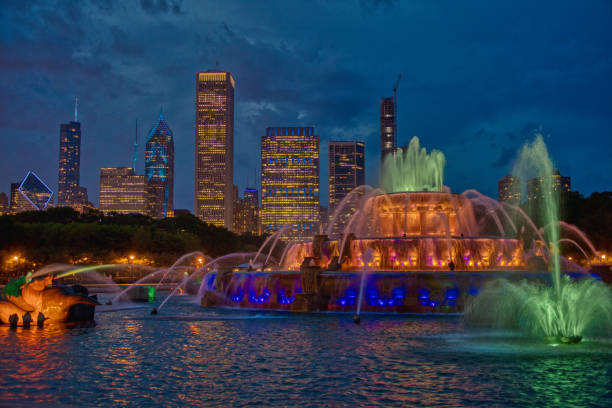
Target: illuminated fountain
point(417, 248)
point(430, 249)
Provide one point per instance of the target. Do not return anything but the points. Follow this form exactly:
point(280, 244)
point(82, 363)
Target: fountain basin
point(411, 292)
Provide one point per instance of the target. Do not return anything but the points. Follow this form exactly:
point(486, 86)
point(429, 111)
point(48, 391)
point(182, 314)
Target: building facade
point(290, 181)
point(246, 213)
point(560, 184)
point(159, 169)
point(18, 201)
point(122, 191)
point(4, 204)
point(388, 127)
point(36, 193)
point(346, 170)
point(69, 163)
point(214, 148)
point(509, 189)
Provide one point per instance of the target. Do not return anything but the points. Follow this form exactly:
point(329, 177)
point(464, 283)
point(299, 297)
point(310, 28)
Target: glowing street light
point(131, 257)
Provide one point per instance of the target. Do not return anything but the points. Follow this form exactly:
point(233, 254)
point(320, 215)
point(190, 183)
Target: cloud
point(156, 7)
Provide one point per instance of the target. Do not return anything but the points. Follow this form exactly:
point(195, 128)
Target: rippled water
point(189, 356)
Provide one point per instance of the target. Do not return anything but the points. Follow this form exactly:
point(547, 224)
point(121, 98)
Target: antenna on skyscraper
point(76, 105)
point(135, 147)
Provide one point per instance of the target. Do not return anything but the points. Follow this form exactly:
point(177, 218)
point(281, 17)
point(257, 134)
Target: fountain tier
point(413, 231)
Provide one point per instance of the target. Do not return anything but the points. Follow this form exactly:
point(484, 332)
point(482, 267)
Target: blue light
point(398, 293)
point(452, 293)
point(424, 294)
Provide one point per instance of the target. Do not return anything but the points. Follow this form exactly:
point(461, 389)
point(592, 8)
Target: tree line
point(63, 235)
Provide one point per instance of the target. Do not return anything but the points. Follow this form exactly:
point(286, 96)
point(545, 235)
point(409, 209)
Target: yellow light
point(200, 260)
point(15, 258)
point(131, 257)
point(603, 257)
point(471, 263)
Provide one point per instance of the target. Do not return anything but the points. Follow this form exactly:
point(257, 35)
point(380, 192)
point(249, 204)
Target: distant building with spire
point(159, 169)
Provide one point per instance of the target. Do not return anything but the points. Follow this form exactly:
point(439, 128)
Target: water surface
point(189, 356)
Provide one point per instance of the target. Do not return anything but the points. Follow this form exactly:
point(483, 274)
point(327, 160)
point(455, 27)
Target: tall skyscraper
point(69, 162)
point(560, 184)
point(290, 181)
point(122, 191)
point(388, 127)
point(159, 169)
point(346, 170)
point(509, 189)
point(214, 148)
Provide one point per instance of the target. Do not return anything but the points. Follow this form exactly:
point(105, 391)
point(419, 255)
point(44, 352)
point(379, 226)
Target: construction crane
point(395, 88)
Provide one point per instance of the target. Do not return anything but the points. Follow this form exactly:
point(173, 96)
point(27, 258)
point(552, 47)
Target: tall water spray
point(413, 169)
point(533, 160)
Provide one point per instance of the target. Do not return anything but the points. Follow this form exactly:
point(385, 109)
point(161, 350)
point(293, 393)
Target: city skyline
point(473, 103)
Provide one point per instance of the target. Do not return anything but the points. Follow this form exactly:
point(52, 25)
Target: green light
point(151, 293)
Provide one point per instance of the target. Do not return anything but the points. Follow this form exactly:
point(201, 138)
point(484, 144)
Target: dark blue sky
point(479, 77)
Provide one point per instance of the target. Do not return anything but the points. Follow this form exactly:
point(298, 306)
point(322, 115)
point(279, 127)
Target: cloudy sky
point(478, 79)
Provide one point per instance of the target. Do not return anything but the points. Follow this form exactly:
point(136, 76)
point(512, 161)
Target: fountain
point(426, 250)
point(562, 312)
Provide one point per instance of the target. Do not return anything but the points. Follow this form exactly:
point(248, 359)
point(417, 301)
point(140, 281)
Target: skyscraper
point(290, 181)
point(69, 162)
point(246, 213)
point(509, 189)
point(346, 170)
point(560, 184)
point(214, 148)
point(388, 127)
point(159, 169)
point(122, 191)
